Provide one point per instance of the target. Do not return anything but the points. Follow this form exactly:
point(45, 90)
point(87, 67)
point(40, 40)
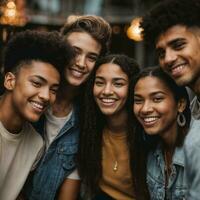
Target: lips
point(107, 101)
point(38, 106)
point(177, 70)
point(77, 73)
point(149, 121)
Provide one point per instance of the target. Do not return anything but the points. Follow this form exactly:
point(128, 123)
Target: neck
point(67, 92)
point(9, 117)
point(64, 101)
point(169, 138)
point(195, 87)
point(117, 124)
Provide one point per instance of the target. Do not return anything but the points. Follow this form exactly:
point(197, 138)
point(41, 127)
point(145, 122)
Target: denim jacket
point(192, 153)
point(177, 186)
point(57, 163)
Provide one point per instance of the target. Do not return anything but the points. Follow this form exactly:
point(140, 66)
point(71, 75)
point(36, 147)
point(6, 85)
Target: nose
point(146, 108)
point(170, 57)
point(107, 89)
point(81, 61)
point(44, 94)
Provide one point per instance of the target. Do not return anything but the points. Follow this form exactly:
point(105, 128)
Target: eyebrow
point(152, 94)
point(43, 79)
point(91, 53)
point(172, 42)
point(176, 40)
point(115, 79)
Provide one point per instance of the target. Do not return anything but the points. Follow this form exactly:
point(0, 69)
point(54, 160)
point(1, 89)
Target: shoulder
point(193, 136)
point(32, 136)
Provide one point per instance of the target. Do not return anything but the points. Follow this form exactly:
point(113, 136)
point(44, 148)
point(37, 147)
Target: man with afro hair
point(33, 63)
point(173, 28)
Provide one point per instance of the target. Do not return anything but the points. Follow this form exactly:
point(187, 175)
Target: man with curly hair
point(31, 80)
point(173, 27)
point(56, 175)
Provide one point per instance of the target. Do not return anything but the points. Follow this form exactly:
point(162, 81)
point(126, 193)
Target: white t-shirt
point(18, 152)
point(53, 126)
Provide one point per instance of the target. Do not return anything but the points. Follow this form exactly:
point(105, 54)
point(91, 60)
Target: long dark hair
point(144, 143)
point(93, 122)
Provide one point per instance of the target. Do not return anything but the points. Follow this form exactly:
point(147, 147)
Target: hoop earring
point(181, 119)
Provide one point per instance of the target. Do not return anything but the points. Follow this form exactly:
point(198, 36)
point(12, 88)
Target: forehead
point(111, 70)
point(151, 85)
point(173, 33)
point(39, 68)
point(84, 41)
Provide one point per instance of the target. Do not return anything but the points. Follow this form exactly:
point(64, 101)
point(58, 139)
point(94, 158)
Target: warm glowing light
point(11, 5)
point(12, 14)
point(134, 31)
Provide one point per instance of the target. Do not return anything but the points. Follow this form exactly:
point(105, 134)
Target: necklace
point(113, 148)
point(112, 151)
point(115, 167)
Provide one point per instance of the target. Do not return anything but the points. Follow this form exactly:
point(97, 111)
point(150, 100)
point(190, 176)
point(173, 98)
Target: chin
point(75, 83)
point(33, 118)
point(151, 132)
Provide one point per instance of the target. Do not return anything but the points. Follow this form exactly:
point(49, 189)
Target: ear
point(9, 81)
point(182, 105)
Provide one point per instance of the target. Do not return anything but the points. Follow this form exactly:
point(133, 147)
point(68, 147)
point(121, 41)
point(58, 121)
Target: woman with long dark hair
point(106, 152)
point(162, 113)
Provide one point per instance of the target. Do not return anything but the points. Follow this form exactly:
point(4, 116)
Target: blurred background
point(123, 15)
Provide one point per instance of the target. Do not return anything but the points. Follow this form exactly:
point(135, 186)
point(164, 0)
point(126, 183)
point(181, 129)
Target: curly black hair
point(169, 13)
point(93, 122)
point(94, 25)
point(30, 45)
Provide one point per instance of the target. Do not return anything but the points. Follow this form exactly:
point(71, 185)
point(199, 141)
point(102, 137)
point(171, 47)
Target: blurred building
point(51, 15)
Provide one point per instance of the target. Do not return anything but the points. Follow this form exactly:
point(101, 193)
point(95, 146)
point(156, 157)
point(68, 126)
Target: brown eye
point(36, 84)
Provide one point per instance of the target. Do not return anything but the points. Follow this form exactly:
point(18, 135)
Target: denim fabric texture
point(192, 153)
point(57, 163)
point(177, 186)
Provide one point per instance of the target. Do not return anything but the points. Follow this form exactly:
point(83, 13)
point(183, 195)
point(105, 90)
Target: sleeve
point(192, 157)
point(74, 175)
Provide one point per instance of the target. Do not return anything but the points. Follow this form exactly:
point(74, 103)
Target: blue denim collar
point(178, 157)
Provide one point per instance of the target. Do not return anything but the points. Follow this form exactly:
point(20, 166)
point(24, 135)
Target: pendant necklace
point(114, 157)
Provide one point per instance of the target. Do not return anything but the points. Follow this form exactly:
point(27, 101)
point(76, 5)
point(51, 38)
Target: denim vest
point(177, 186)
point(57, 163)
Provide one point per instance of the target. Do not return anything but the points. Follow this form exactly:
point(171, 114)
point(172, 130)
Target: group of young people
point(77, 122)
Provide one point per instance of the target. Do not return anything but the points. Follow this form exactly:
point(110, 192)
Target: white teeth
point(178, 68)
point(108, 100)
point(37, 105)
point(77, 73)
point(150, 119)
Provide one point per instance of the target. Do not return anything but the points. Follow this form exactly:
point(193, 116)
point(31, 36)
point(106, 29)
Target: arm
point(69, 189)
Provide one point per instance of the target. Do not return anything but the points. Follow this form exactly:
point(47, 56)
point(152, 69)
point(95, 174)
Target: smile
point(150, 120)
point(77, 73)
point(176, 70)
point(108, 101)
point(38, 106)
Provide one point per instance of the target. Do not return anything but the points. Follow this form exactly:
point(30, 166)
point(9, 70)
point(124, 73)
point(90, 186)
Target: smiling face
point(110, 89)
point(155, 106)
point(33, 88)
point(87, 51)
point(178, 52)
